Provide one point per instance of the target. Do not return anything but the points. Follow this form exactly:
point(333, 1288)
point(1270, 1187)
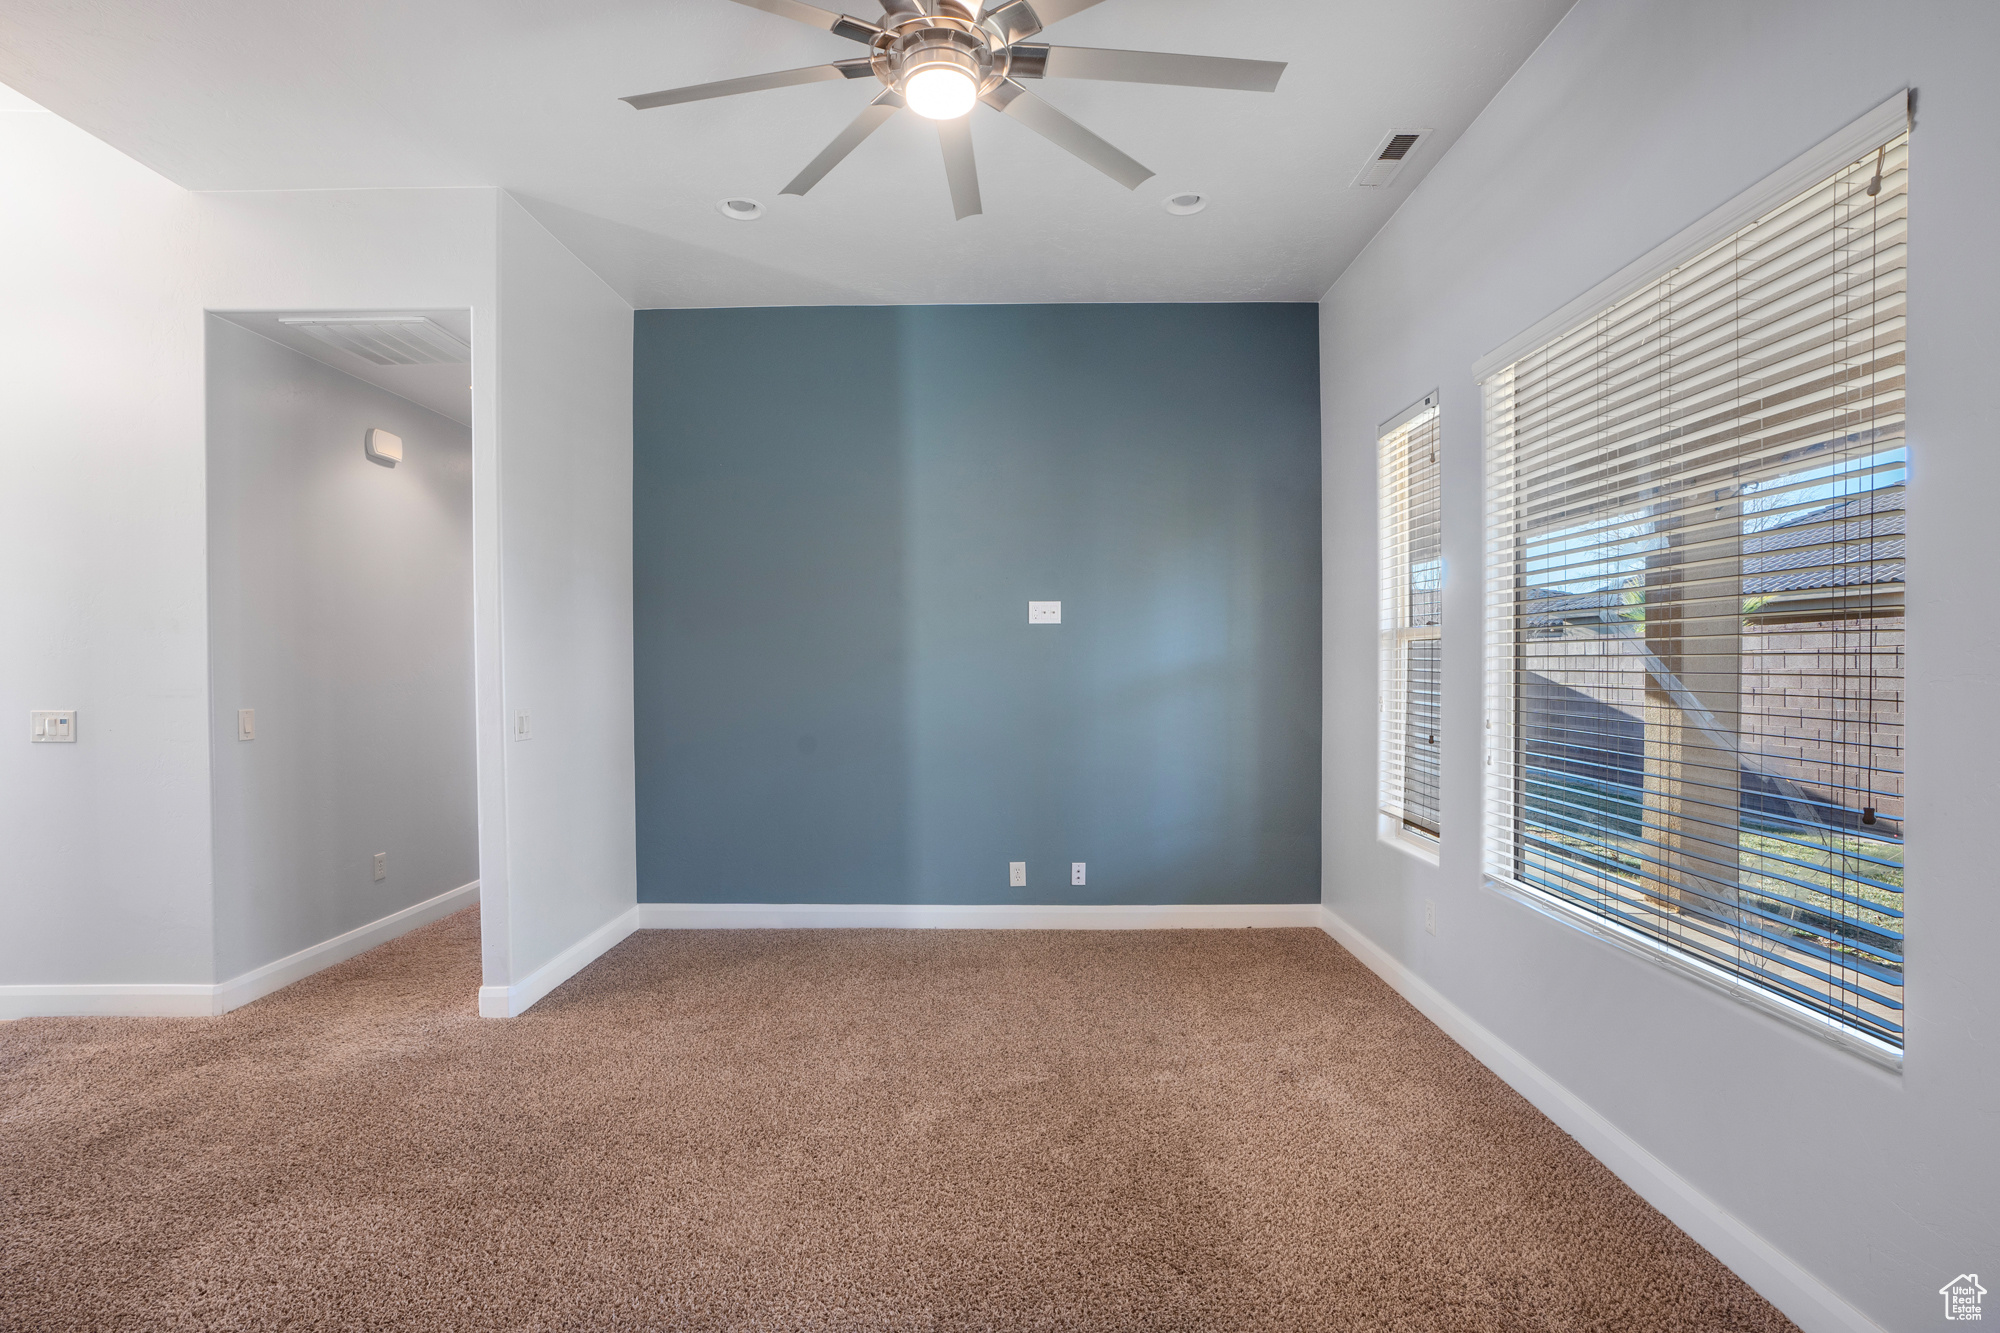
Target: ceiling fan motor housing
point(939, 41)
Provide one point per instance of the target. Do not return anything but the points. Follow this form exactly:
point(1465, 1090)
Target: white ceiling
point(445, 388)
point(522, 94)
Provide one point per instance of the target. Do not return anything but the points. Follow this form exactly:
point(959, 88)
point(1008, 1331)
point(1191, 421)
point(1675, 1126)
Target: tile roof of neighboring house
point(1857, 543)
point(1552, 608)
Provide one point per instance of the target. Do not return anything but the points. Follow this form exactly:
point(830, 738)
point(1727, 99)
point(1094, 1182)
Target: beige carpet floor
point(1227, 1130)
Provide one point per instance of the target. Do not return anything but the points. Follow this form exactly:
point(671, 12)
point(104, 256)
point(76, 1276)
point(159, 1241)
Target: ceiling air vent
point(386, 340)
point(1389, 156)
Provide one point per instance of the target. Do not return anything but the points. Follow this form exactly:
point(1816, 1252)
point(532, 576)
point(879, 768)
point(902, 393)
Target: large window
point(1412, 566)
point(1695, 594)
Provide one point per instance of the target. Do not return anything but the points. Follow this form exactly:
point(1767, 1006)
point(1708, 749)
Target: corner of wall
point(554, 568)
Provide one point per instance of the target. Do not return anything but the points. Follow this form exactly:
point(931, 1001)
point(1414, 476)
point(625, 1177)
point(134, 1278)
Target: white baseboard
point(994, 916)
point(1805, 1300)
point(174, 1000)
point(255, 985)
point(108, 1000)
point(513, 1001)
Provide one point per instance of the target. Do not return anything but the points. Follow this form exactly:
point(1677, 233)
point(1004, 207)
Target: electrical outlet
point(52, 726)
point(246, 724)
point(1430, 918)
point(1076, 872)
point(1017, 874)
point(1045, 613)
point(381, 865)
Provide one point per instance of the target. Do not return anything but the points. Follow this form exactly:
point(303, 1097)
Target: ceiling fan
point(939, 58)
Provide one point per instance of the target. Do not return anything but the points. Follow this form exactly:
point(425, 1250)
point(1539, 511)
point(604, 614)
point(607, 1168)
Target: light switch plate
point(1045, 613)
point(1017, 874)
point(52, 726)
point(246, 724)
point(522, 731)
point(1076, 872)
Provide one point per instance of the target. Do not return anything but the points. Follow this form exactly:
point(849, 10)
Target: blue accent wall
point(840, 516)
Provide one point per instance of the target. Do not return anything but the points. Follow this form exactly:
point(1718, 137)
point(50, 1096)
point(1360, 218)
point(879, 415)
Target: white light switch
point(46, 726)
point(1045, 613)
point(521, 728)
point(246, 724)
point(381, 865)
point(1076, 872)
point(1017, 874)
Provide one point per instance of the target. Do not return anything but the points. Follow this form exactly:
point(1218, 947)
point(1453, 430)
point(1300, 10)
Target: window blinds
point(1411, 527)
point(1695, 600)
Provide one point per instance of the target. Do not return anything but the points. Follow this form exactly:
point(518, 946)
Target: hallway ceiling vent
point(1389, 157)
point(386, 340)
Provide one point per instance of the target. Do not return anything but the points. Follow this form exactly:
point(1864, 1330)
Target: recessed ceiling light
point(743, 210)
point(1185, 203)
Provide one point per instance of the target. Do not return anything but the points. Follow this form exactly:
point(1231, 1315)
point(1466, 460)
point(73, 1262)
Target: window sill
point(1632, 942)
point(1404, 839)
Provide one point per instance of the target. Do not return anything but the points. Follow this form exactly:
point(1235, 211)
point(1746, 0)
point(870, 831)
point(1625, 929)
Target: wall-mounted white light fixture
point(384, 448)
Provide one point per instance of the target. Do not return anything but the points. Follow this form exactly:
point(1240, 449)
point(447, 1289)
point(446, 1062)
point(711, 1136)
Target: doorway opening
point(344, 783)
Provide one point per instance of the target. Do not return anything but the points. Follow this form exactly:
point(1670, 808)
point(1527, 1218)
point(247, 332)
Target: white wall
point(1633, 120)
point(556, 811)
point(101, 566)
point(340, 609)
point(105, 273)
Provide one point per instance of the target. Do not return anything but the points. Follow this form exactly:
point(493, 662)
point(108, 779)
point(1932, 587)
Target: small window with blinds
point(1412, 572)
point(1695, 597)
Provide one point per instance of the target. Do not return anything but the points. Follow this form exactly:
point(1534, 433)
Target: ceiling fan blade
point(1085, 62)
point(955, 137)
point(840, 25)
point(1063, 132)
point(1055, 11)
point(1021, 19)
point(754, 83)
point(872, 118)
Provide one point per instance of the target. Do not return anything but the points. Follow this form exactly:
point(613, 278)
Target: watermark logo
point(1961, 1296)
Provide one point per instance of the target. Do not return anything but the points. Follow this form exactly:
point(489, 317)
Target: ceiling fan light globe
point(940, 92)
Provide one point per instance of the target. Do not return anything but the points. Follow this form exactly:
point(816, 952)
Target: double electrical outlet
point(1017, 874)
